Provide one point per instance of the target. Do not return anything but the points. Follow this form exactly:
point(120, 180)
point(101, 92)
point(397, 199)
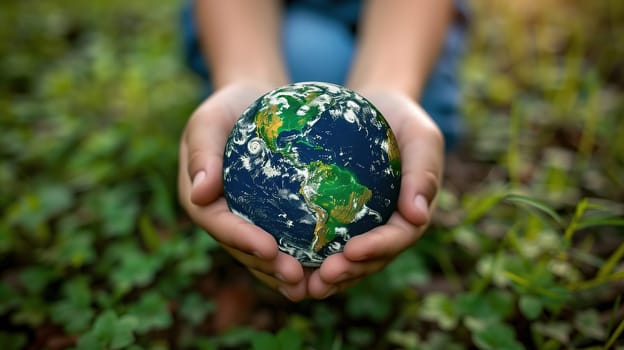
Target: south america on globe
point(313, 164)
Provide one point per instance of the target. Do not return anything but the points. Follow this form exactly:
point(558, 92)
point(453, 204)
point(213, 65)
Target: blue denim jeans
point(311, 59)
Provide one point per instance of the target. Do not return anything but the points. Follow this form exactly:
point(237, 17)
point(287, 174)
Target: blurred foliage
point(525, 251)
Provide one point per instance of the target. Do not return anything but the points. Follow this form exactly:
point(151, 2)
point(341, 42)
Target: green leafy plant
point(526, 250)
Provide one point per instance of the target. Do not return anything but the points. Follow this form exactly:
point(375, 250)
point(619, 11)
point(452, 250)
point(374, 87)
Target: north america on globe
point(313, 164)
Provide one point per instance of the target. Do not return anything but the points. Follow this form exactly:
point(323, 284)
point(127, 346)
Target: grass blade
point(534, 204)
point(610, 264)
point(614, 312)
point(609, 221)
point(478, 207)
point(616, 276)
point(578, 214)
point(615, 336)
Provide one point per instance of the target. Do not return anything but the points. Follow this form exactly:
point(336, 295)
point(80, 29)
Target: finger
point(284, 267)
point(324, 291)
point(422, 149)
point(338, 268)
point(337, 273)
point(203, 143)
point(206, 135)
point(384, 242)
point(232, 231)
point(206, 185)
point(294, 292)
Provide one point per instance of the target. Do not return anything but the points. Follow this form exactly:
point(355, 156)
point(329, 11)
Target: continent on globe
point(313, 164)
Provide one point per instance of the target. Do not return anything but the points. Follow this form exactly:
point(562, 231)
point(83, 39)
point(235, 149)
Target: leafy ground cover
point(525, 251)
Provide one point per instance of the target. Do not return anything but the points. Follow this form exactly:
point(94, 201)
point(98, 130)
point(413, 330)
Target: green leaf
point(149, 234)
point(74, 318)
point(204, 241)
point(73, 249)
point(468, 238)
point(408, 269)
point(441, 309)
point(196, 258)
point(237, 337)
point(32, 311)
point(589, 324)
point(486, 307)
point(123, 335)
point(74, 311)
point(35, 208)
point(325, 317)
point(194, 308)
point(12, 341)
point(162, 203)
point(441, 341)
point(118, 209)
point(109, 332)
point(531, 307)
point(404, 339)
point(9, 297)
point(539, 281)
point(289, 338)
point(197, 261)
point(171, 285)
point(264, 341)
point(7, 240)
point(36, 278)
point(559, 331)
point(55, 199)
point(492, 267)
point(496, 336)
point(135, 269)
point(502, 301)
point(363, 303)
point(361, 337)
point(151, 311)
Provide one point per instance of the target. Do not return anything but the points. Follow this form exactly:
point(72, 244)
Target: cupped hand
point(200, 188)
point(422, 156)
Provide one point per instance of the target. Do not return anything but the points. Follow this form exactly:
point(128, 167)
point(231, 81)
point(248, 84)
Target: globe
point(313, 164)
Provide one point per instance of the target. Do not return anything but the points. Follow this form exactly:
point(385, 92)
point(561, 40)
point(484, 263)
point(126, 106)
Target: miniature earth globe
point(313, 164)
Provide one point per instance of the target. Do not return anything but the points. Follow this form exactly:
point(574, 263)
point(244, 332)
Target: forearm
point(240, 40)
point(398, 44)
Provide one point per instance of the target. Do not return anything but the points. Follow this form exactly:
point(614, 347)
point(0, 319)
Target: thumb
point(206, 178)
point(422, 150)
point(202, 147)
point(418, 191)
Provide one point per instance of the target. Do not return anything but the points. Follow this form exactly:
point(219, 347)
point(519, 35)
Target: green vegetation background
point(525, 250)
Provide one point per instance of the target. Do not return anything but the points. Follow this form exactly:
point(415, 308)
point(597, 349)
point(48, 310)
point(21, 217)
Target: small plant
point(525, 251)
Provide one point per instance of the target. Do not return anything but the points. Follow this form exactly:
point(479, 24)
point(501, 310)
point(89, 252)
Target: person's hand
point(422, 155)
point(200, 187)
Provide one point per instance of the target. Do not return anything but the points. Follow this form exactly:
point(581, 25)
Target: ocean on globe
point(313, 164)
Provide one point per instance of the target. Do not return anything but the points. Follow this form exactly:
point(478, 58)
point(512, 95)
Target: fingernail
point(421, 204)
point(279, 276)
point(199, 177)
point(284, 292)
point(330, 292)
